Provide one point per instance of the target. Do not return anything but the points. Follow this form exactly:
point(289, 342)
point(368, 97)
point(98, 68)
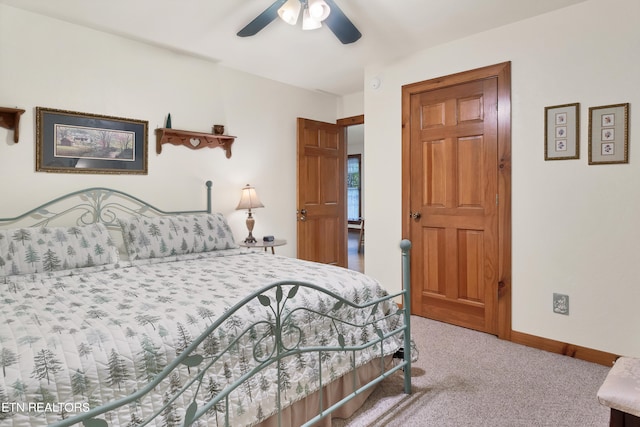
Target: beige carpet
point(467, 378)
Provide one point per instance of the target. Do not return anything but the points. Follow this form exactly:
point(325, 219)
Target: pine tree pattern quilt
point(75, 339)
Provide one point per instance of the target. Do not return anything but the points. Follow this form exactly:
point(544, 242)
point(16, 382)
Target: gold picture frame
point(609, 134)
point(73, 142)
point(562, 132)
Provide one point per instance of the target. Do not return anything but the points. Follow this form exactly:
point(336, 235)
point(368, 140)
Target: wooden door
point(453, 202)
point(321, 204)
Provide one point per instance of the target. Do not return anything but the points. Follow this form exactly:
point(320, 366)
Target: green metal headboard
point(92, 205)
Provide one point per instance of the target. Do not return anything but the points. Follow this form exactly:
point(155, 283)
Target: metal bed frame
point(106, 205)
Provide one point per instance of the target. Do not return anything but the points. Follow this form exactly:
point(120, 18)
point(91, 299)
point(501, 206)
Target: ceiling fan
point(314, 12)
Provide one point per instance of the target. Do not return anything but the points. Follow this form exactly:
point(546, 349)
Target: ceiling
point(313, 60)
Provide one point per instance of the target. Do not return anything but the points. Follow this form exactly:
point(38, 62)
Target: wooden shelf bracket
point(10, 119)
point(193, 140)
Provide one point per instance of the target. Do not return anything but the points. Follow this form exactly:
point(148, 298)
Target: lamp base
point(250, 223)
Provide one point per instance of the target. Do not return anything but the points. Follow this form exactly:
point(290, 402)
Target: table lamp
point(249, 200)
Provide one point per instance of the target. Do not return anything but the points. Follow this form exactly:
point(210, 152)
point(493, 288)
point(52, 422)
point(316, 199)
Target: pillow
point(49, 249)
point(163, 236)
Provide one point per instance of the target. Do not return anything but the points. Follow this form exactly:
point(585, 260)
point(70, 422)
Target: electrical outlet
point(561, 304)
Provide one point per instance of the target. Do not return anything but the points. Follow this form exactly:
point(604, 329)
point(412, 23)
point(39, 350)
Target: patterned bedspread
point(70, 342)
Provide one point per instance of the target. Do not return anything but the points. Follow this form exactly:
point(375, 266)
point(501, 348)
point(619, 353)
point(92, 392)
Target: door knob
point(415, 215)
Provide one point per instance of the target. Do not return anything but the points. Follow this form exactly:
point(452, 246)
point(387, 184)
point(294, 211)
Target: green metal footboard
point(283, 337)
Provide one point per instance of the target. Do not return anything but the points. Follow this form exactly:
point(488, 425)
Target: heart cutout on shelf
point(194, 141)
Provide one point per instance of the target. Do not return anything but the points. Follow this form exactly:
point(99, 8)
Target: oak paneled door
point(453, 202)
point(322, 212)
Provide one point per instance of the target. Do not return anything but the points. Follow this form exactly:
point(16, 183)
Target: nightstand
point(265, 245)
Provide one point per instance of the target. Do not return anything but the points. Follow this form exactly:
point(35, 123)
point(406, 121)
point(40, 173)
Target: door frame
point(502, 72)
point(342, 125)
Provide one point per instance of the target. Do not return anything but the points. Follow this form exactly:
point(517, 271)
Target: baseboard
point(558, 347)
point(582, 353)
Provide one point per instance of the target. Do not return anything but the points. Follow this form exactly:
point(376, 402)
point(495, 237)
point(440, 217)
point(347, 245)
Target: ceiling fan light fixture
point(315, 12)
point(290, 11)
point(318, 9)
point(308, 22)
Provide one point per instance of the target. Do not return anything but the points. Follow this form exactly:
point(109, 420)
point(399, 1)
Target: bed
point(117, 313)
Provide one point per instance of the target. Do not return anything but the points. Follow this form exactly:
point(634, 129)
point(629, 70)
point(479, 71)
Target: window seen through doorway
point(353, 188)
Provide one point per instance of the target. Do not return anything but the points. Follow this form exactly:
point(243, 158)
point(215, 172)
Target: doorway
point(355, 197)
point(456, 197)
point(321, 190)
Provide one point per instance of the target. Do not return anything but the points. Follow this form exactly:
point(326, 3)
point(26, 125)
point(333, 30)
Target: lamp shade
point(318, 9)
point(308, 23)
point(290, 11)
point(249, 199)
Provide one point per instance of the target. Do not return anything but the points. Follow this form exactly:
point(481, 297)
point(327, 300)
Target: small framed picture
point(607, 149)
point(561, 145)
point(561, 140)
point(609, 134)
point(608, 120)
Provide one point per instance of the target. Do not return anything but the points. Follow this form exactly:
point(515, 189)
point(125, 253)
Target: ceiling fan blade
point(262, 20)
point(341, 26)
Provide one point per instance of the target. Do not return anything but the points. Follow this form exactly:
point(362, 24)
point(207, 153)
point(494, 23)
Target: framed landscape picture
point(73, 142)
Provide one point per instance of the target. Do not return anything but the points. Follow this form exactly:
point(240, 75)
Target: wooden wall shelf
point(10, 119)
point(193, 140)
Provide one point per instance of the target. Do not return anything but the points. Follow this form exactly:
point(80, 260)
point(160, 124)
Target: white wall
point(351, 105)
point(50, 63)
point(575, 226)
